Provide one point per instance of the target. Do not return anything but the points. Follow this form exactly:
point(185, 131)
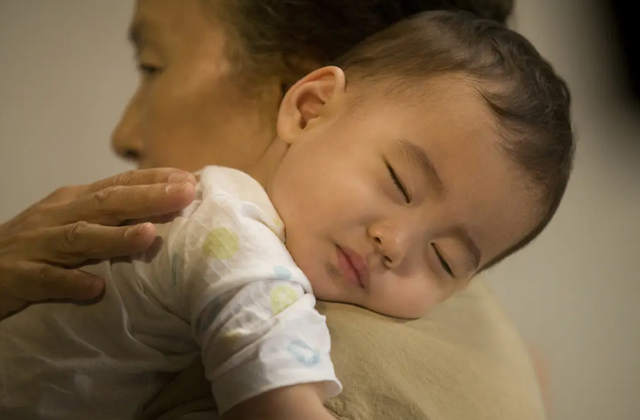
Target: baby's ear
point(310, 100)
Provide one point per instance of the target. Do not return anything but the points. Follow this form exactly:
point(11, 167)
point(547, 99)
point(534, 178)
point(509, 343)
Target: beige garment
point(465, 361)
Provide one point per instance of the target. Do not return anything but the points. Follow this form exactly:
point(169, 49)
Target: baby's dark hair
point(530, 101)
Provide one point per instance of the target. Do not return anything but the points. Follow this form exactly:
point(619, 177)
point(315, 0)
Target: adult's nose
point(126, 138)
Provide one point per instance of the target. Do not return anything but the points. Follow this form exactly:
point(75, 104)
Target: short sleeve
point(268, 336)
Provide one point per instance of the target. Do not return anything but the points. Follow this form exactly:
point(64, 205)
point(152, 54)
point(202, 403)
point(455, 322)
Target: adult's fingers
point(34, 265)
point(78, 242)
point(36, 282)
point(113, 205)
point(142, 177)
point(69, 193)
point(111, 200)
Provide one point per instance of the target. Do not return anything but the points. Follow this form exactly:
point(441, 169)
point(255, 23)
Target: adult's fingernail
point(96, 287)
point(135, 230)
point(175, 188)
point(91, 291)
point(179, 177)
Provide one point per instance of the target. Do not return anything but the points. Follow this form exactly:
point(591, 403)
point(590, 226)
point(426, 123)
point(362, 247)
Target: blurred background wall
point(66, 73)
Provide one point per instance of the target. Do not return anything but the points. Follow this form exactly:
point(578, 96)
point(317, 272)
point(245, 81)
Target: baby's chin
point(332, 289)
point(399, 311)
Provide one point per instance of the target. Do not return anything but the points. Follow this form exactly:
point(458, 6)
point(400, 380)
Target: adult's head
point(213, 72)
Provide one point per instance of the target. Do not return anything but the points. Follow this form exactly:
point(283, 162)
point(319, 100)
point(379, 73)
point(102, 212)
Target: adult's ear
point(315, 97)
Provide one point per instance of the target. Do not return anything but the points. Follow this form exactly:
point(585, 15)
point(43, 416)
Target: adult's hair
point(291, 37)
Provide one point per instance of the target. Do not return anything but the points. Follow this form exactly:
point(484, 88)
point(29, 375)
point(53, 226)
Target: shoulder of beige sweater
point(463, 361)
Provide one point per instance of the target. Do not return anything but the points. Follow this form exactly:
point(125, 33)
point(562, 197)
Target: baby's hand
point(290, 403)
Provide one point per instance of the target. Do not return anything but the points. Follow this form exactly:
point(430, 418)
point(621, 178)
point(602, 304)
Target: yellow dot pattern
point(221, 244)
point(233, 336)
point(278, 228)
point(281, 298)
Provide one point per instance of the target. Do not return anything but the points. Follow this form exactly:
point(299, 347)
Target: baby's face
point(396, 205)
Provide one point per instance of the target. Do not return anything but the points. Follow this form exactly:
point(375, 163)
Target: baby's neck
point(267, 166)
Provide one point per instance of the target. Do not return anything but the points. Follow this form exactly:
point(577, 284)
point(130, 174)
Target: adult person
point(212, 75)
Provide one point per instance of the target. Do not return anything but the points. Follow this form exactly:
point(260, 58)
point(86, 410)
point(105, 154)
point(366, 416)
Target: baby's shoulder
point(232, 199)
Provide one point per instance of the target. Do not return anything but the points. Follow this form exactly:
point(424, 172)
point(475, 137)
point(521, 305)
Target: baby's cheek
point(323, 283)
point(409, 299)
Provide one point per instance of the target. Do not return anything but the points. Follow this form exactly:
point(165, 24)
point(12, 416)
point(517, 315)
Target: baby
point(428, 153)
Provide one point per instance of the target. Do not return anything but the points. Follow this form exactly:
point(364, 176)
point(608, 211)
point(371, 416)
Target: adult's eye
point(148, 70)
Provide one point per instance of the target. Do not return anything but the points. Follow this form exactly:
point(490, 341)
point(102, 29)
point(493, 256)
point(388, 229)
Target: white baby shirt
point(218, 281)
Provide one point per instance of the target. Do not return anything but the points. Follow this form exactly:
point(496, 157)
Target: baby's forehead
point(447, 107)
point(443, 115)
point(454, 95)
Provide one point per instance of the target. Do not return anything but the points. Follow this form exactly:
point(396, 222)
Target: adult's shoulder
point(464, 361)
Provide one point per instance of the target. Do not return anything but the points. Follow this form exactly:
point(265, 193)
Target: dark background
point(625, 15)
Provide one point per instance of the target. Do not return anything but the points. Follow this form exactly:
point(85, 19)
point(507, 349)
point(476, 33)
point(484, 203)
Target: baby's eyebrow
point(475, 255)
point(417, 156)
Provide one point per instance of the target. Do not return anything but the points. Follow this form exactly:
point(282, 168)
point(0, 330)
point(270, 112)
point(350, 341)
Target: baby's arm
point(249, 307)
point(290, 403)
point(265, 348)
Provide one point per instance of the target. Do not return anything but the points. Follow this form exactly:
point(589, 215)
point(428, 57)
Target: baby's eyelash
point(396, 181)
point(445, 266)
